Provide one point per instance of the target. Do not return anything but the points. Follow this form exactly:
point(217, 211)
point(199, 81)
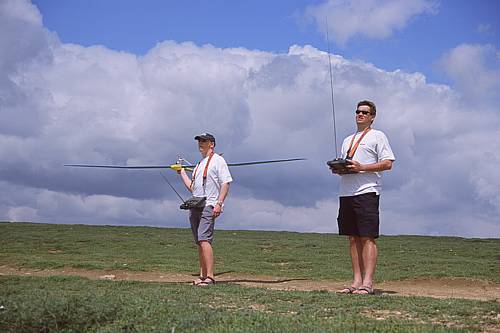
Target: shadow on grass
point(260, 281)
point(216, 274)
point(251, 280)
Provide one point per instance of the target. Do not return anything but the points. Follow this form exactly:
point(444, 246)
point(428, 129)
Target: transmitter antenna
point(338, 165)
point(331, 90)
point(172, 187)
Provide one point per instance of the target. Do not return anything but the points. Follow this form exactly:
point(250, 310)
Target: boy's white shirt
point(218, 174)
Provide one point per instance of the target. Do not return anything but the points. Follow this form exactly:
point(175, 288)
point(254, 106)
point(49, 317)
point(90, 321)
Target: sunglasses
point(363, 112)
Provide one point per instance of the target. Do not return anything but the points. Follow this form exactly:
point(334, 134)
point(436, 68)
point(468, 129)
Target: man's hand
point(217, 211)
point(354, 166)
point(345, 171)
point(338, 171)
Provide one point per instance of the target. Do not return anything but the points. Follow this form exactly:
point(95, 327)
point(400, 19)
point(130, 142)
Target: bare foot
point(199, 280)
point(347, 290)
point(364, 290)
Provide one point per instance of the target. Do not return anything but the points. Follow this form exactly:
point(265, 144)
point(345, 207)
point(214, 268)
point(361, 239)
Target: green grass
point(73, 304)
point(297, 255)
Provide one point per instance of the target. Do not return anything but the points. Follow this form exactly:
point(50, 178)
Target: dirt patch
point(438, 288)
point(446, 321)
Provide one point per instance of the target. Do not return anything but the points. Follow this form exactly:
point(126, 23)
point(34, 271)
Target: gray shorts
point(202, 224)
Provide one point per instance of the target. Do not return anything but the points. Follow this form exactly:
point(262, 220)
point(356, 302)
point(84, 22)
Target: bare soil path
point(438, 288)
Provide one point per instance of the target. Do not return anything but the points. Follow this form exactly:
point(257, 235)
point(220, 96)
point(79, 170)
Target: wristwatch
point(220, 203)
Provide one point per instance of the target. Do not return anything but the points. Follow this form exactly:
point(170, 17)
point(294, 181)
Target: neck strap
point(205, 172)
point(352, 149)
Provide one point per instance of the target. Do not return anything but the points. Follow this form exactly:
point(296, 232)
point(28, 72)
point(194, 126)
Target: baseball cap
point(205, 136)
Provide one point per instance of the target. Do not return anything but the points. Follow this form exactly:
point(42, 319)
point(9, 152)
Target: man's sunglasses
point(363, 112)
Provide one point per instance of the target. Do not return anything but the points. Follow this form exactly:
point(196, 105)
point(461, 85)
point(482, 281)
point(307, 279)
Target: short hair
point(373, 108)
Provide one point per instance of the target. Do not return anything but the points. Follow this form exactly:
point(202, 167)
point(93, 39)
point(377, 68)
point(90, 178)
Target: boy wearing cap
point(210, 179)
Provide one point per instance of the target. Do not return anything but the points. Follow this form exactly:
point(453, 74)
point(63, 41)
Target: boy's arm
point(185, 179)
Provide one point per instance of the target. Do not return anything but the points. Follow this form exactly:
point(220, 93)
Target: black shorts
point(358, 215)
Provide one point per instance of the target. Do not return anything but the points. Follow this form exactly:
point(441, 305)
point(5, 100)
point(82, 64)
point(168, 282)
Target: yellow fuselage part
point(179, 167)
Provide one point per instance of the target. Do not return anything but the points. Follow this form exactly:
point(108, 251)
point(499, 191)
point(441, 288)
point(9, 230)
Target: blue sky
point(132, 82)
point(136, 26)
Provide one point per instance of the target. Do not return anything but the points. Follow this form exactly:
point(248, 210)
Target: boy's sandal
point(208, 281)
point(369, 291)
point(198, 280)
point(347, 290)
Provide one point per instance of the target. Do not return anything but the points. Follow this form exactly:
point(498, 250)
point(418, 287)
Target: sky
point(129, 82)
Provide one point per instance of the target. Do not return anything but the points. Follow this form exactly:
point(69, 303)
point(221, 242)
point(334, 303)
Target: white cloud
point(40, 205)
point(475, 70)
point(22, 11)
point(63, 103)
point(485, 29)
point(368, 18)
point(256, 214)
point(24, 43)
point(22, 214)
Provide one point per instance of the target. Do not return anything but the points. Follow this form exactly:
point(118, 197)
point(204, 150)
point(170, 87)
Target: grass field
point(74, 304)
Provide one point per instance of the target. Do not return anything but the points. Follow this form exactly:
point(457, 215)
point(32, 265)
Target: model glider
point(178, 165)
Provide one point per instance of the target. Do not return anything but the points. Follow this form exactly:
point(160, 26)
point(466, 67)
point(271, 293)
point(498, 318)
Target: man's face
point(204, 146)
point(364, 117)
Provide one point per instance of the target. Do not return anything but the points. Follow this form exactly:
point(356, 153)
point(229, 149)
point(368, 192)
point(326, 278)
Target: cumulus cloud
point(475, 69)
point(376, 19)
point(41, 205)
point(485, 29)
point(64, 103)
point(24, 44)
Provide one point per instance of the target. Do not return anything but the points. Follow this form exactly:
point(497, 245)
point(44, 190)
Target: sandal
point(208, 281)
point(367, 291)
point(347, 290)
point(198, 281)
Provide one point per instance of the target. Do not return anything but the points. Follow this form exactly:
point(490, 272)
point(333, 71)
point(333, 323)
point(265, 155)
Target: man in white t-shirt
point(210, 179)
point(368, 153)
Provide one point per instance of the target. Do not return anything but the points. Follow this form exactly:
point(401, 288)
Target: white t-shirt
point(218, 174)
point(372, 149)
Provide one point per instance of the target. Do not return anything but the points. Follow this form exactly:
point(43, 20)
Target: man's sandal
point(365, 290)
point(208, 281)
point(347, 290)
point(198, 280)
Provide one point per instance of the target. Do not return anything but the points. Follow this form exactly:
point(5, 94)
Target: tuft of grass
point(289, 254)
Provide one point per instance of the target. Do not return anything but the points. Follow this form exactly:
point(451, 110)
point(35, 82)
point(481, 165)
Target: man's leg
point(369, 259)
point(205, 236)
point(194, 219)
point(203, 272)
point(370, 254)
point(356, 250)
point(356, 253)
point(368, 218)
point(206, 259)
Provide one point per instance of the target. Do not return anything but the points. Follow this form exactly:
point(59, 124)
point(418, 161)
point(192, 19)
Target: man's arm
point(224, 190)
point(355, 166)
point(185, 179)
